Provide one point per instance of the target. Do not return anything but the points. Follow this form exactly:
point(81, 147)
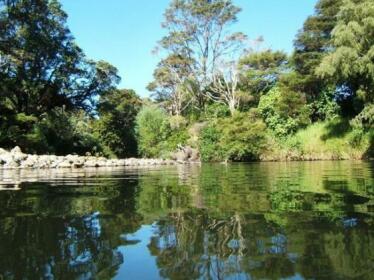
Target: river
point(300, 220)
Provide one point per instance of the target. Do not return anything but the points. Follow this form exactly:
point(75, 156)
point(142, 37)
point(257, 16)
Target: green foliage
point(260, 72)
point(152, 126)
point(350, 63)
point(241, 137)
point(158, 134)
point(15, 128)
point(311, 46)
point(43, 70)
point(41, 66)
point(324, 107)
point(283, 111)
point(330, 140)
point(60, 132)
point(216, 110)
point(115, 127)
point(365, 120)
point(209, 146)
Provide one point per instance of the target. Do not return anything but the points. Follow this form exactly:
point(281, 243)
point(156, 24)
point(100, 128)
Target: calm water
point(240, 221)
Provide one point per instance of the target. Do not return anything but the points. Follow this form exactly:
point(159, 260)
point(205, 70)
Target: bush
point(241, 137)
point(325, 107)
point(217, 110)
point(159, 134)
point(209, 144)
point(152, 127)
point(60, 132)
point(116, 124)
point(284, 112)
point(364, 120)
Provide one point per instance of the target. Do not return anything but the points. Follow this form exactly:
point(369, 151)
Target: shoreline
point(16, 159)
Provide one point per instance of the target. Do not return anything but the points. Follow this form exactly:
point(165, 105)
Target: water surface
point(239, 221)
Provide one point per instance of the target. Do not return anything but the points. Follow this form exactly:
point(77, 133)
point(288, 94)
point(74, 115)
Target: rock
point(180, 156)
point(30, 162)
point(78, 163)
point(195, 155)
point(71, 158)
point(91, 163)
point(16, 159)
point(65, 164)
point(16, 150)
point(11, 164)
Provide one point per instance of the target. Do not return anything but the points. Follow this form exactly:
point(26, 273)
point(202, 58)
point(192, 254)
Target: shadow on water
point(238, 221)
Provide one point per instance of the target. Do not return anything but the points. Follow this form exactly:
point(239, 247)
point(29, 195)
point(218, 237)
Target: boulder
point(16, 150)
point(11, 164)
point(91, 163)
point(64, 164)
point(195, 155)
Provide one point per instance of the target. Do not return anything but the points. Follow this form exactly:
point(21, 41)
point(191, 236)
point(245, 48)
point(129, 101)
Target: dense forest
point(215, 89)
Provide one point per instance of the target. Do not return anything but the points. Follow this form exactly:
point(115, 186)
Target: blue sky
point(124, 32)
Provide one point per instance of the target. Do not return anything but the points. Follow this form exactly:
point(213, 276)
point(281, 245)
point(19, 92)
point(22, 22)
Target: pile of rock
point(17, 159)
point(186, 154)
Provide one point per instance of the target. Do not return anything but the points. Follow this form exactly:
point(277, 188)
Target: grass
point(333, 140)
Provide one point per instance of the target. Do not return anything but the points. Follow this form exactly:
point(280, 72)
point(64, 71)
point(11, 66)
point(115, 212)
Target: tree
point(260, 71)
point(350, 64)
point(151, 124)
point(198, 31)
point(42, 69)
point(41, 66)
point(115, 127)
point(172, 83)
point(284, 111)
point(311, 45)
point(224, 88)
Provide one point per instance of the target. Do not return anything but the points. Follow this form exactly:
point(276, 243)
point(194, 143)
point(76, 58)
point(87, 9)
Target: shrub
point(158, 133)
point(217, 110)
point(116, 124)
point(152, 127)
point(324, 107)
point(60, 132)
point(241, 137)
point(364, 120)
point(284, 112)
point(209, 146)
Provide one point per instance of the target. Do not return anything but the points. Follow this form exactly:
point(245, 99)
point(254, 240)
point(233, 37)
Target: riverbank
point(16, 159)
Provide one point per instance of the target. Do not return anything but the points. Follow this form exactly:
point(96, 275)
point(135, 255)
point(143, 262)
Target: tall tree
point(260, 71)
point(350, 64)
point(172, 83)
point(198, 31)
point(311, 45)
point(41, 67)
point(116, 126)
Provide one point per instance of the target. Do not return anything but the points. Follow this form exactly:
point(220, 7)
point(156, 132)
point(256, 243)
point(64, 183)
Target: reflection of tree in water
point(249, 230)
point(194, 245)
point(67, 248)
point(58, 233)
point(213, 222)
point(197, 244)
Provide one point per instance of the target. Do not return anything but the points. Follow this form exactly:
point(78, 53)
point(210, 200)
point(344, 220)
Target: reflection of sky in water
point(137, 261)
